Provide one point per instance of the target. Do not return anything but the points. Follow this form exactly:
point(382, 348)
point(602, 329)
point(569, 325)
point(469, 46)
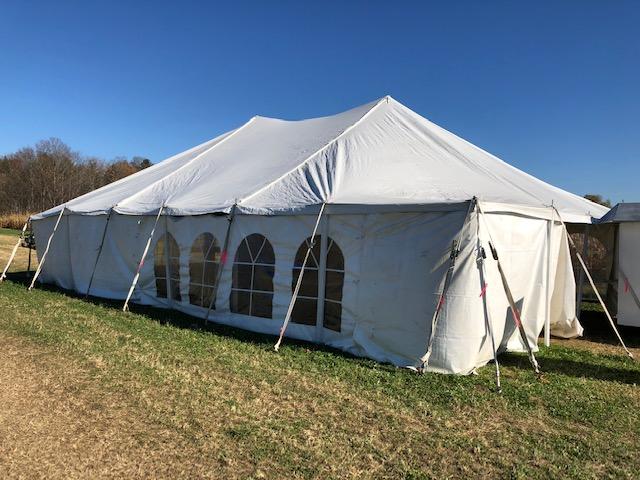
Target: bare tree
point(50, 173)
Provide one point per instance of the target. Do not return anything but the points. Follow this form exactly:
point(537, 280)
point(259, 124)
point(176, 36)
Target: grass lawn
point(9, 232)
point(89, 391)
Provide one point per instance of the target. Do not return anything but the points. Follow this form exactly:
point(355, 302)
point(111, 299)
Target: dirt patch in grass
point(56, 421)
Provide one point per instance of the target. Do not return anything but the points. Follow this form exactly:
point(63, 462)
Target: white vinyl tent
point(233, 218)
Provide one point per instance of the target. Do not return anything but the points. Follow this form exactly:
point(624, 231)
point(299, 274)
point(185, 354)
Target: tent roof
point(622, 212)
point(378, 154)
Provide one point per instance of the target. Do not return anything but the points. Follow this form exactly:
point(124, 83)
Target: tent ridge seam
point(185, 165)
point(320, 150)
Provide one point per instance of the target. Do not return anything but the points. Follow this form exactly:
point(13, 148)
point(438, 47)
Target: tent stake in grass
point(46, 250)
point(593, 285)
point(14, 251)
point(294, 297)
point(223, 261)
point(141, 263)
point(95, 265)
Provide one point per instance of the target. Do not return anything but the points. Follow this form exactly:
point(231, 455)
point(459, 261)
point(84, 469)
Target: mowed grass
point(154, 393)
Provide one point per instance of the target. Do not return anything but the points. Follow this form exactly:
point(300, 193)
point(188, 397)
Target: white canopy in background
point(381, 153)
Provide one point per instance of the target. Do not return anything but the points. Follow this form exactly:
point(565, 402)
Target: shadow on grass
point(574, 368)
point(175, 318)
point(595, 330)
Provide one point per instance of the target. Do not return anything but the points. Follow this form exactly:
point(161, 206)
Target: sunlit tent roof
point(381, 153)
point(622, 212)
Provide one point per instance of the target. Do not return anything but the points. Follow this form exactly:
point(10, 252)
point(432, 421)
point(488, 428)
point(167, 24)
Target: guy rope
point(512, 304)
point(294, 297)
point(14, 251)
point(141, 263)
point(46, 250)
point(455, 251)
point(593, 285)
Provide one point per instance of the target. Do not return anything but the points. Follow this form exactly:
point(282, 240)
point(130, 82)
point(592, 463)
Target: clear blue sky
point(551, 87)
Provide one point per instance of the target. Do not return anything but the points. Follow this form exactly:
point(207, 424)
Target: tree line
point(37, 178)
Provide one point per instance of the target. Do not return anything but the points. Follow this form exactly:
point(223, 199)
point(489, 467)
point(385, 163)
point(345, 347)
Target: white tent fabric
point(397, 189)
point(381, 153)
point(629, 287)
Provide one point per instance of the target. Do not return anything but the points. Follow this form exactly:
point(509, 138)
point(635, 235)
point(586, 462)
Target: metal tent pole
point(14, 251)
point(585, 252)
point(512, 304)
point(322, 278)
point(547, 309)
point(455, 251)
point(299, 282)
point(483, 293)
point(223, 261)
point(95, 265)
point(141, 263)
point(46, 250)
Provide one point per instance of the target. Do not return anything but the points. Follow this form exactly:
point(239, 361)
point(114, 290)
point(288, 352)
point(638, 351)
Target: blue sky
point(551, 87)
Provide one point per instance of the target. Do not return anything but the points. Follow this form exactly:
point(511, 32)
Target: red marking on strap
point(440, 303)
point(627, 287)
point(516, 317)
point(484, 290)
point(223, 257)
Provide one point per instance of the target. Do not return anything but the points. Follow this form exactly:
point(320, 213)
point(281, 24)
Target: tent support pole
point(223, 261)
point(95, 266)
point(167, 263)
point(141, 263)
point(512, 304)
point(455, 251)
point(547, 309)
point(593, 285)
point(483, 293)
point(299, 282)
point(585, 253)
point(46, 250)
point(14, 251)
point(322, 278)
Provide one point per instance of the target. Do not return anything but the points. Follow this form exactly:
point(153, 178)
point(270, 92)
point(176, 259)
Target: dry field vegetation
point(88, 391)
point(13, 221)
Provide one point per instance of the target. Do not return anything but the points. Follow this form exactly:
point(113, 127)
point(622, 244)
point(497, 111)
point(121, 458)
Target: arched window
point(167, 267)
point(252, 284)
point(305, 309)
point(203, 269)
